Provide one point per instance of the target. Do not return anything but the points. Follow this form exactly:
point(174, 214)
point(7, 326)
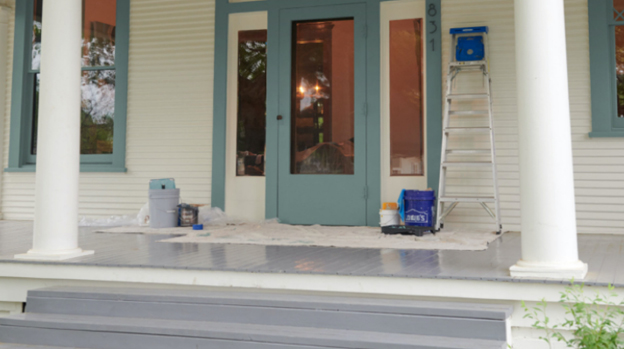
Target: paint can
point(419, 206)
point(163, 206)
point(187, 215)
point(389, 217)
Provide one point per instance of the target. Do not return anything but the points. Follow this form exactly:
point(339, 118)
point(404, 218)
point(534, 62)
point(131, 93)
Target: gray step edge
point(96, 340)
point(273, 316)
point(406, 307)
point(27, 346)
point(236, 332)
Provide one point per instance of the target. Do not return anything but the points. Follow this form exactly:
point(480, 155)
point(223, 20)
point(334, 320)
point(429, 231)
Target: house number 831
point(433, 12)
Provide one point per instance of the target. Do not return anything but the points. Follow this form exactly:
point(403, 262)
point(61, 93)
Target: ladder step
point(468, 151)
point(467, 164)
point(468, 96)
point(467, 130)
point(477, 199)
point(469, 112)
point(468, 63)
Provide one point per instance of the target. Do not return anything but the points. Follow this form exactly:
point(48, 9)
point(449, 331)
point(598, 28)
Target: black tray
point(406, 230)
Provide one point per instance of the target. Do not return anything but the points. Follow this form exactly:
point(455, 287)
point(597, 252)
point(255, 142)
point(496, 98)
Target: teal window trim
point(605, 122)
point(434, 97)
point(20, 158)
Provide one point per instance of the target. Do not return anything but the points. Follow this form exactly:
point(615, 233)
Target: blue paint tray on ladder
point(470, 48)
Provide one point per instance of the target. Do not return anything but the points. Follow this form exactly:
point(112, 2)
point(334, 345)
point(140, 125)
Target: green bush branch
point(596, 321)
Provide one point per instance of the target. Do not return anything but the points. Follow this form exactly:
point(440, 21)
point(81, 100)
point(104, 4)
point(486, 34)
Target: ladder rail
point(443, 155)
point(450, 75)
point(499, 224)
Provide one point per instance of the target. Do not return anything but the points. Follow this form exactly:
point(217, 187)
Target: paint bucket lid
point(389, 206)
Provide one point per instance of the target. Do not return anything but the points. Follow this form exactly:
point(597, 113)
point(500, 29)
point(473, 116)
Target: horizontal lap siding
point(169, 128)
point(170, 118)
point(598, 163)
point(18, 189)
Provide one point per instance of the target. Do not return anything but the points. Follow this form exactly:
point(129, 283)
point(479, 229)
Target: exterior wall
point(10, 308)
point(169, 128)
point(598, 163)
point(13, 183)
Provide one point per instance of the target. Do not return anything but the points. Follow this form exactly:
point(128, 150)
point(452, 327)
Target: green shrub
point(596, 320)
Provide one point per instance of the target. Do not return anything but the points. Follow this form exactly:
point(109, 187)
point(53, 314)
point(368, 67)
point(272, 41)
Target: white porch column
point(549, 238)
point(58, 137)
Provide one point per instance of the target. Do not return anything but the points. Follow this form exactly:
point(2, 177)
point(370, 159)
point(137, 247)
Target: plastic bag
point(143, 217)
point(212, 216)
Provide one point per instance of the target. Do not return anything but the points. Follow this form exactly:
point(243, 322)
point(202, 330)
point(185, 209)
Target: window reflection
point(619, 68)
point(97, 115)
point(35, 126)
point(322, 98)
point(618, 7)
point(36, 36)
point(406, 98)
point(98, 32)
point(97, 112)
point(251, 118)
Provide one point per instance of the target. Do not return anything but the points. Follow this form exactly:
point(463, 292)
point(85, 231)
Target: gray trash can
point(163, 204)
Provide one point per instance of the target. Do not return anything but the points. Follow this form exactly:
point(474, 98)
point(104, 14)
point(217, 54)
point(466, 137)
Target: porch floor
point(603, 253)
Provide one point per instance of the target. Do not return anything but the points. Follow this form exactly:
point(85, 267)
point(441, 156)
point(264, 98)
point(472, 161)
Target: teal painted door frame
point(330, 199)
point(373, 95)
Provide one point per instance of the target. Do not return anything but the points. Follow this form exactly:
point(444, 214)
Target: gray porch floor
point(603, 253)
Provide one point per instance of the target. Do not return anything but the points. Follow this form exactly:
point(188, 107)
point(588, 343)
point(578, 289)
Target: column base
point(544, 270)
point(33, 255)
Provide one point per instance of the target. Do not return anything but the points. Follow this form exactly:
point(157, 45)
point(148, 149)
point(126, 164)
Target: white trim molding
point(549, 270)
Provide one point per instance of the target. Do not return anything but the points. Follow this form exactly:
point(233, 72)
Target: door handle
point(279, 117)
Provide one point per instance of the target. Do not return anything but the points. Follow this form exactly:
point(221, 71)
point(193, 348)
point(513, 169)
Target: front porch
point(140, 261)
point(602, 252)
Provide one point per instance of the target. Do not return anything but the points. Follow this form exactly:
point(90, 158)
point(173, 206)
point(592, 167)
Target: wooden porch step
point(139, 333)
point(107, 318)
point(269, 299)
point(458, 320)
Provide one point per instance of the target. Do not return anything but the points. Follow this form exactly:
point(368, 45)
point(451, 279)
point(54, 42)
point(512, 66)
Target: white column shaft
point(549, 236)
point(58, 137)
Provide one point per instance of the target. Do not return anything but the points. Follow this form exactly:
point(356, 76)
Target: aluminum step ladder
point(468, 56)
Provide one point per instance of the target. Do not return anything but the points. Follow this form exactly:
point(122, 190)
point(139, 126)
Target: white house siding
point(170, 118)
point(599, 163)
point(17, 190)
point(169, 128)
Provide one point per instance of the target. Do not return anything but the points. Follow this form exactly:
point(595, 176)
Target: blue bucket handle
point(401, 204)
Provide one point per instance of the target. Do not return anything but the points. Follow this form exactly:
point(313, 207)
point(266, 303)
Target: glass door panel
point(322, 97)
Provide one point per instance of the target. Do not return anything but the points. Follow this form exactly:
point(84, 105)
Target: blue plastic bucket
point(419, 208)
